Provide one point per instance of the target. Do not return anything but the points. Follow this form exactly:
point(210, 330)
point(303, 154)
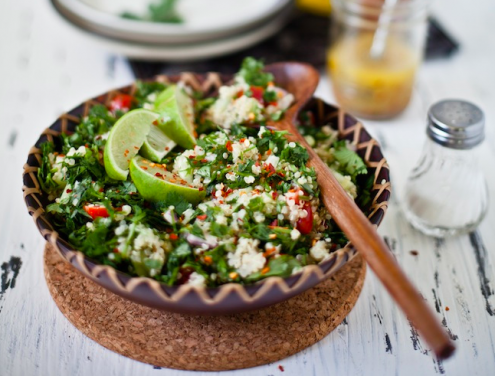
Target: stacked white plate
point(210, 28)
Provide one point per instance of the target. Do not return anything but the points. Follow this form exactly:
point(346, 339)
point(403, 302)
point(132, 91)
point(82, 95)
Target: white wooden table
point(45, 68)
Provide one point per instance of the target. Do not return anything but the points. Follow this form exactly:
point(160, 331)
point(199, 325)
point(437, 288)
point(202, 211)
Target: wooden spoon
point(301, 80)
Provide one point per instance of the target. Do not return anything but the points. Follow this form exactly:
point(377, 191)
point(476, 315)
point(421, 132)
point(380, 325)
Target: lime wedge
point(176, 116)
point(124, 141)
point(155, 183)
point(157, 145)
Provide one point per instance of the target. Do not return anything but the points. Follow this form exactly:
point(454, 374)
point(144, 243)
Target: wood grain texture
point(45, 69)
point(197, 342)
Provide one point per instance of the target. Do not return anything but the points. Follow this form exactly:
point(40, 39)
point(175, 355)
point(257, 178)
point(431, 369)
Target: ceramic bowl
point(228, 298)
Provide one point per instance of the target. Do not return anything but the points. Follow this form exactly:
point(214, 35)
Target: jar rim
point(369, 11)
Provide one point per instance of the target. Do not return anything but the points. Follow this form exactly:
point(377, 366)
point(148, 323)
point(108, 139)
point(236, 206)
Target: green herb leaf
point(349, 161)
point(252, 72)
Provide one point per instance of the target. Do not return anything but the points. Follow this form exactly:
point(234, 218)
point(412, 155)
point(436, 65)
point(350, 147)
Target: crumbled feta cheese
point(319, 251)
point(196, 279)
point(121, 228)
point(210, 157)
point(247, 257)
point(256, 169)
point(249, 179)
point(199, 150)
point(273, 160)
point(258, 217)
point(188, 213)
point(221, 219)
point(295, 234)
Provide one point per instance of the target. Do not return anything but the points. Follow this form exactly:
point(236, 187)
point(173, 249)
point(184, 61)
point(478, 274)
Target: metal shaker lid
point(456, 124)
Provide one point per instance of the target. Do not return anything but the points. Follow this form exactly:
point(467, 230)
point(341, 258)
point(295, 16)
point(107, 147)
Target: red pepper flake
point(155, 122)
point(240, 94)
point(68, 190)
point(144, 167)
point(228, 145)
point(201, 189)
point(158, 175)
point(281, 368)
point(208, 260)
point(269, 152)
point(414, 252)
point(101, 190)
point(116, 250)
point(167, 148)
point(268, 253)
point(447, 308)
point(275, 194)
point(204, 160)
point(202, 217)
point(192, 156)
point(173, 237)
point(242, 140)
point(136, 147)
point(265, 270)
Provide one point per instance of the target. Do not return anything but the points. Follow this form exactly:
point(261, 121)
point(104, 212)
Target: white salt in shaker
point(446, 192)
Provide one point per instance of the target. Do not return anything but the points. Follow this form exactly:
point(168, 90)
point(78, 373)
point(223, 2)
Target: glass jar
point(376, 48)
point(446, 193)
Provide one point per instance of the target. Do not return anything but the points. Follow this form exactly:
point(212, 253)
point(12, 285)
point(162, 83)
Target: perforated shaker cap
point(456, 124)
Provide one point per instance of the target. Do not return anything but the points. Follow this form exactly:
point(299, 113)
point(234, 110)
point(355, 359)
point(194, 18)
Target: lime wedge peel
point(124, 141)
point(155, 183)
point(176, 116)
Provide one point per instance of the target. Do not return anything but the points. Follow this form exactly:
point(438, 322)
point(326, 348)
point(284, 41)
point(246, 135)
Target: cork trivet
point(206, 343)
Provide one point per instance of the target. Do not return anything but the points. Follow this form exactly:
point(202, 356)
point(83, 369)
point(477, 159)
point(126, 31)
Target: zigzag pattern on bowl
point(125, 285)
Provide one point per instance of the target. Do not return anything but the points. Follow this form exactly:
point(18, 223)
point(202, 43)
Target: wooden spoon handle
point(371, 246)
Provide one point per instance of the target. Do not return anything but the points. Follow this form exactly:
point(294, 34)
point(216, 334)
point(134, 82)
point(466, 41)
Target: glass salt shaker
point(446, 192)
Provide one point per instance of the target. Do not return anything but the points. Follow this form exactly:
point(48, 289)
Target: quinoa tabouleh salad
point(184, 189)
